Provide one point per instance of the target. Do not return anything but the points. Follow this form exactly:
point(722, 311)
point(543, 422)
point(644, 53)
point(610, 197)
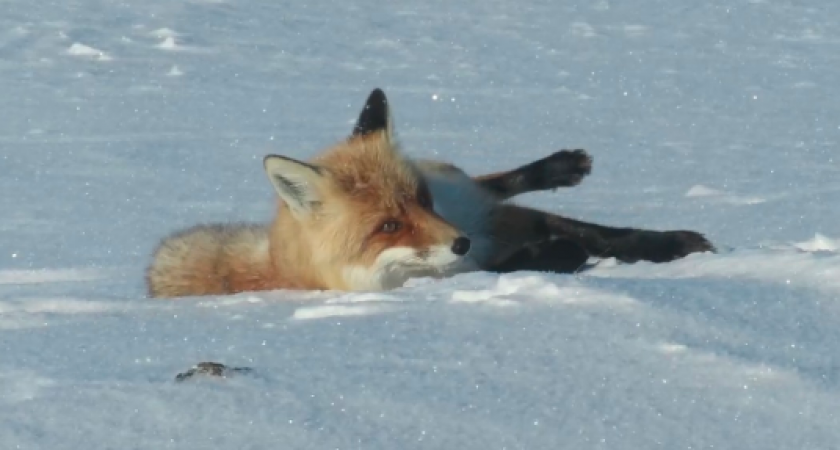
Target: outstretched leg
point(518, 228)
point(628, 244)
point(564, 168)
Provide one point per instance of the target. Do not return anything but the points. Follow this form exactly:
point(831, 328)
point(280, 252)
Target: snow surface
point(125, 121)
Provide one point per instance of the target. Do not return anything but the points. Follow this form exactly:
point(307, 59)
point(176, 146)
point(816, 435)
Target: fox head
point(362, 213)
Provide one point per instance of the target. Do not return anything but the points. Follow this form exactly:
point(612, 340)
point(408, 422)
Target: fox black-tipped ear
point(375, 116)
point(296, 182)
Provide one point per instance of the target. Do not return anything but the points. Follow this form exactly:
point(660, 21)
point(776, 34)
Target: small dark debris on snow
point(211, 369)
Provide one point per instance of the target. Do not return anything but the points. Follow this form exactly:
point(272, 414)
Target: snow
point(83, 50)
point(127, 121)
point(818, 243)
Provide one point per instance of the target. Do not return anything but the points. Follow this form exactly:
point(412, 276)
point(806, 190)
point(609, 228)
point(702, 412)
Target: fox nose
point(461, 246)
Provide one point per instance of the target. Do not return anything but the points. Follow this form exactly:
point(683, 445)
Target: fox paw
point(683, 243)
point(565, 168)
point(692, 242)
point(661, 246)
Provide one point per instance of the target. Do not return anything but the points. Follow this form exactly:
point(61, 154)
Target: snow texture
point(125, 121)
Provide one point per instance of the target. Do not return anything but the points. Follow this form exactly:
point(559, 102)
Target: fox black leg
point(558, 256)
point(564, 168)
point(628, 244)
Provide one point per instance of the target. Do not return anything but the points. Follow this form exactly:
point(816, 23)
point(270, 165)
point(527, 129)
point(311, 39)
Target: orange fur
point(365, 181)
point(358, 216)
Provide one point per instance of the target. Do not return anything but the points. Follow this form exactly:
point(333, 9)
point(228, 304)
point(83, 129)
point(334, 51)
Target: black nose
point(461, 246)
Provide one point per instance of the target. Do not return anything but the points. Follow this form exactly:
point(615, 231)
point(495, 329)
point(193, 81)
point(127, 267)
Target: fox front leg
point(564, 168)
point(558, 256)
point(628, 244)
point(516, 228)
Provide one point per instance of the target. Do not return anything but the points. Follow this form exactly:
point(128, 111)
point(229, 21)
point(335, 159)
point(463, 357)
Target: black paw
point(564, 168)
point(211, 369)
point(661, 246)
point(684, 243)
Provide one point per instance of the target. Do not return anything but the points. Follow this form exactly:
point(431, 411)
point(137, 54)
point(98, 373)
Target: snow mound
point(163, 33)
point(700, 191)
point(819, 243)
point(84, 51)
point(168, 43)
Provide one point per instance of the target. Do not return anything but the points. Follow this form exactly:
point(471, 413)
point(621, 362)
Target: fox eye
point(390, 226)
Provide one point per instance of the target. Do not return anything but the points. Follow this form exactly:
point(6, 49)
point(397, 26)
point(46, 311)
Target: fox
point(361, 215)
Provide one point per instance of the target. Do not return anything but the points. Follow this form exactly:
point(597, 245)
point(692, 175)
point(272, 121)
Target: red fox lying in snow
point(362, 216)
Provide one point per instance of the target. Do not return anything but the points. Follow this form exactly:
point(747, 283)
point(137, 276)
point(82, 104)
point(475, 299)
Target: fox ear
point(375, 116)
point(296, 182)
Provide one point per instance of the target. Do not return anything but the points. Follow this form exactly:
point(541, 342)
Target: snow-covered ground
point(125, 121)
